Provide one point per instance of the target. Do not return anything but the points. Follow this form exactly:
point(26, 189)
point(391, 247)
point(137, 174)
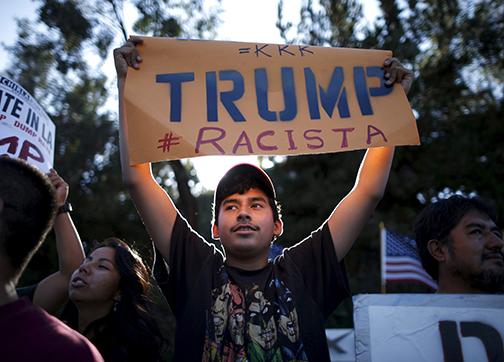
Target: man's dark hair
point(238, 180)
point(27, 208)
point(437, 220)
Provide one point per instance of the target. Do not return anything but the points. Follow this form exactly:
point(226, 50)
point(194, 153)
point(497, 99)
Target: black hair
point(240, 184)
point(128, 332)
point(437, 220)
point(27, 209)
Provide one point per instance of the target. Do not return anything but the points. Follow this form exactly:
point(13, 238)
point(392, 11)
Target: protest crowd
point(231, 303)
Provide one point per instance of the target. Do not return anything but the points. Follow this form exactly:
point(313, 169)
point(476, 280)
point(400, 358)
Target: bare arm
point(153, 204)
point(351, 214)
point(52, 292)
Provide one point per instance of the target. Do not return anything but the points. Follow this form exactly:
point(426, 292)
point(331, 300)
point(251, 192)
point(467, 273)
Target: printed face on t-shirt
point(262, 328)
point(246, 226)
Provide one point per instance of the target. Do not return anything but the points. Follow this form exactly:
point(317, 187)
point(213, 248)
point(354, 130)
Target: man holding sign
point(235, 304)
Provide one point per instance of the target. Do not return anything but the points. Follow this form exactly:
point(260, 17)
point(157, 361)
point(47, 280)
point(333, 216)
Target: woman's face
point(96, 281)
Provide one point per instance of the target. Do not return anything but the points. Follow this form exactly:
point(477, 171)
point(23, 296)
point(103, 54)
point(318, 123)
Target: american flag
point(400, 260)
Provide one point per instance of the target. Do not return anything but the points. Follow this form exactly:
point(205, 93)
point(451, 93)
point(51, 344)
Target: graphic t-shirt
point(273, 314)
point(252, 317)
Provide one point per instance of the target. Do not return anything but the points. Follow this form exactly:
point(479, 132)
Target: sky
point(241, 20)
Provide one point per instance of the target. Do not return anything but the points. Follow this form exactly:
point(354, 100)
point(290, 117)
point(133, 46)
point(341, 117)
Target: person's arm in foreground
point(52, 292)
point(352, 213)
point(153, 204)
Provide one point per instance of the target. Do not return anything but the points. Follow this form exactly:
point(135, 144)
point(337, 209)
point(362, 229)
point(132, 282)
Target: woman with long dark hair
point(106, 298)
point(110, 292)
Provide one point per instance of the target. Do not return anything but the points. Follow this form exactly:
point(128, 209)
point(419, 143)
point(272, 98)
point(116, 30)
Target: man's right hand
point(127, 56)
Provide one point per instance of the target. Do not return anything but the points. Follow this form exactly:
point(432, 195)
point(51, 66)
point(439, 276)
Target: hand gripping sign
point(26, 131)
point(195, 98)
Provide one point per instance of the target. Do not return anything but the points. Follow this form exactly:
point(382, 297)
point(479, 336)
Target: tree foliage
point(59, 59)
point(456, 50)
point(55, 59)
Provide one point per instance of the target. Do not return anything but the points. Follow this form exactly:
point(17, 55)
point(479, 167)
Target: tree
point(52, 59)
point(457, 96)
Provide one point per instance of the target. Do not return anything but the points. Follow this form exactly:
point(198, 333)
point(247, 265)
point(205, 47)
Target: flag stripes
point(400, 260)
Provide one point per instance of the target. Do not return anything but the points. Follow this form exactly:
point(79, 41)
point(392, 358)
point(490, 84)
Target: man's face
point(246, 226)
point(476, 252)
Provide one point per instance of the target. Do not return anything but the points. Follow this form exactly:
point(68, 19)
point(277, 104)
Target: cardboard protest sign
point(429, 327)
point(194, 98)
point(26, 131)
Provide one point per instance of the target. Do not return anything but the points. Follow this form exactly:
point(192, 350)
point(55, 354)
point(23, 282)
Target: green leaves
point(54, 58)
point(457, 55)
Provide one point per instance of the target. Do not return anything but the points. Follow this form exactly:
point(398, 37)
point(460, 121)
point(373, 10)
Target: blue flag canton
point(400, 245)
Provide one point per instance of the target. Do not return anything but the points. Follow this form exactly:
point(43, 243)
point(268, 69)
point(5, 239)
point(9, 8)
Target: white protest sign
point(341, 343)
point(421, 327)
point(26, 131)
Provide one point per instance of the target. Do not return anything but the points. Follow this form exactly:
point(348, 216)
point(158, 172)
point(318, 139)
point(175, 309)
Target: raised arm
point(351, 214)
point(52, 292)
point(153, 204)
